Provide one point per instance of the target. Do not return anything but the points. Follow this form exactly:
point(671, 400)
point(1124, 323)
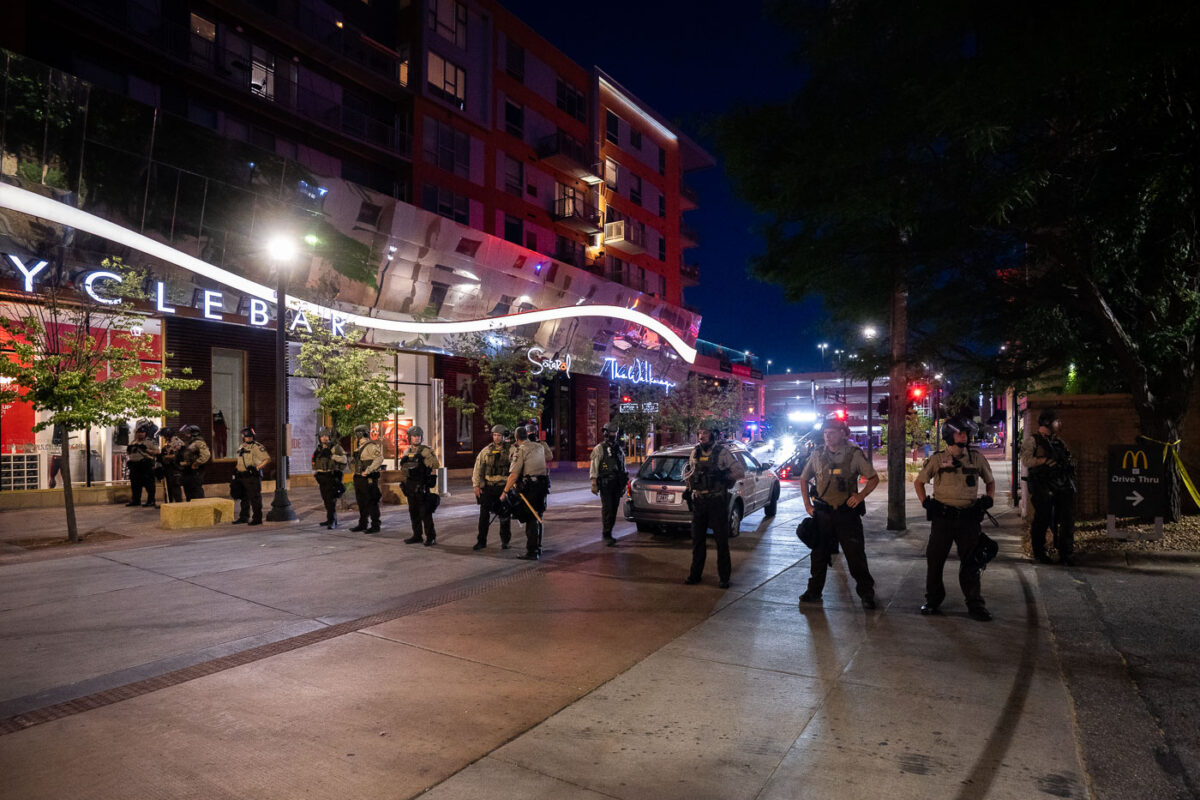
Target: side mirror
point(766, 465)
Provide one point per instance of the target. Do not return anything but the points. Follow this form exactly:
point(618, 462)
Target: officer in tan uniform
point(140, 456)
point(168, 464)
point(955, 511)
point(530, 477)
point(329, 464)
point(488, 479)
point(366, 464)
point(193, 461)
point(419, 467)
point(247, 471)
point(838, 510)
point(711, 473)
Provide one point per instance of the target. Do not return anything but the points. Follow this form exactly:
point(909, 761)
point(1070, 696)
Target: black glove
point(687, 495)
point(927, 502)
point(985, 502)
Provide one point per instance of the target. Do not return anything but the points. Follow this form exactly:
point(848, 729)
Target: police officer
point(141, 454)
point(247, 471)
point(193, 461)
point(609, 479)
point(1051, 488)
point(711, 473)
point(366, 464)
point(488, 479)
point(955, 511)
point(329, 463)
point(419, 466)
point(530, 477)
point(168, 464)
point(838, 508)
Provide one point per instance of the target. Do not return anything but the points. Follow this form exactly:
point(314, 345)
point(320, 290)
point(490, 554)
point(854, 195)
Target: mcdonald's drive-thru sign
point(1135, 481)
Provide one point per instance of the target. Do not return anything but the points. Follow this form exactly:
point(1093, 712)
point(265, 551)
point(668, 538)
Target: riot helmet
point(500, 429)
point(247, 431)
point(323, 431)
point(1047, 418)
point(952, 427)
point(609, 430)
point(166, 433)
point(190, 431)
point(415, 432)
point(362, 431)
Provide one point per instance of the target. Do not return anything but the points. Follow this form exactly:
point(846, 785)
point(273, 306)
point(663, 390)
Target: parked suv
point(654, 499)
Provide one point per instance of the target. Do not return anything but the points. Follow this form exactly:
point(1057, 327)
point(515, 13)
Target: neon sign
point(562, 365)
point(637, 373)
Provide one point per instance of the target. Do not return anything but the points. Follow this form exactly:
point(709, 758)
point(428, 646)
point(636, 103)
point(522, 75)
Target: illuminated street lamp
point(869, 331)
point(822, 347)
point(282, 252)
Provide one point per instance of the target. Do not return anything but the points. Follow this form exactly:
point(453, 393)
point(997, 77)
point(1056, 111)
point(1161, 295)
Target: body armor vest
point(496, 464)
point(610, 462)
point(414, 463)
point(707, 477)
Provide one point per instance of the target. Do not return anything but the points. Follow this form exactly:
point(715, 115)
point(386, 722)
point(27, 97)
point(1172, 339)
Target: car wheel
point(773, 506)
point(735, 519)
point(646, 527)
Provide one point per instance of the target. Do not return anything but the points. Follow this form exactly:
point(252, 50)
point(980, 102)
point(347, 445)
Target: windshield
point(663, 468)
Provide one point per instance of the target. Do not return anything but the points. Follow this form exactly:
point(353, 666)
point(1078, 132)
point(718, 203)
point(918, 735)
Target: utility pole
point(897, 388)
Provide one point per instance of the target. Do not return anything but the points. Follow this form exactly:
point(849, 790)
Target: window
point(514, 60)
point(514, 119)
point(662, 205)
point(228, 385)
point(446, 203)
point(368, 214)
point(447, 80)
point(204, 39)
point(616, 269)
point(662, 161)
point(514, 229)
point(448, 148)
point(531, 241)
point(635, 139)
point(514, 176)
point(662, 248)
point(635, 189)
point(448, 18)
point(262, 73)
point(437, 297)
point(571, 101)
point(612, 127)
point(611, 173)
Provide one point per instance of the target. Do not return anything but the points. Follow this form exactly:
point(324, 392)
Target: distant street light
point(870, 332)
point(768, 370)
point(822, 347)
point(282, 251)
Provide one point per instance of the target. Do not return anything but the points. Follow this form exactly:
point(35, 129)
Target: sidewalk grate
point(424, 601)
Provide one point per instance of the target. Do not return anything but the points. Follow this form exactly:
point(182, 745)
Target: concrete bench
point(203, 512)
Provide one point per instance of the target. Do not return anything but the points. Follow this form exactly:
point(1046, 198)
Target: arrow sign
point(1135, 481)
point(1136, 498)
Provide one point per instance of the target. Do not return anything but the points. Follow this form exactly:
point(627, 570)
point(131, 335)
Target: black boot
point(360, 527)
point(332, 521)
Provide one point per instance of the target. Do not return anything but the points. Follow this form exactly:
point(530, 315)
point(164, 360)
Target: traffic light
point(916, 393)
point(839, 414)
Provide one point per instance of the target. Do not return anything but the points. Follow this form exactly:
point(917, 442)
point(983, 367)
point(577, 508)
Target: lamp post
point(769, 363)
point(281, 250)
point(822, 347)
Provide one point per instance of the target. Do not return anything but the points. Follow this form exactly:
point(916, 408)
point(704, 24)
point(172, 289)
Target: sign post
point(1135, 485)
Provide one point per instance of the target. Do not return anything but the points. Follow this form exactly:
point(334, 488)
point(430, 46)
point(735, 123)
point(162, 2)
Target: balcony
point(689, 274)
point(568, 156)
point(625, 237)
point(577, 215)
point(688, 197)
point(688, 235)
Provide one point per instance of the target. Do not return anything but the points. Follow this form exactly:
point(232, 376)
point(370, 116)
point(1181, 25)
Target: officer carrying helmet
point(530, 477)
point(487, 479)
point(419, 468)
point(366, 464)
point(193, 461)
point(836, 505)
point(711, 473)
point(168, 464)
point(955, 511)
point(609, 479)
point(141, 454)
point(249, 461)
point(329, 464)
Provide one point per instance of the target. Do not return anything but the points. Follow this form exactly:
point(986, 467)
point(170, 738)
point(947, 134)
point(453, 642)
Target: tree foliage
point(699, 400)
point(350, 382)
point(514, 393)
point(82, 364)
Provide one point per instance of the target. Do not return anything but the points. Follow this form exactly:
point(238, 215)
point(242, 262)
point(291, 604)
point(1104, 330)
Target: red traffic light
point(626, 398)
point(840, 414)
point(916, 392)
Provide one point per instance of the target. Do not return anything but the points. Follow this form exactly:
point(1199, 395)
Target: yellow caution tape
point(1173, 448)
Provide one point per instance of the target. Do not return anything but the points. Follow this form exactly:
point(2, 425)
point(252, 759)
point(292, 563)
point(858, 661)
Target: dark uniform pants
point(251, 495)
point(488, 497)
point(710, 511)
point(421, 503)
point(366, 495)
point(964, 534)
point(1055, 510)
point(535, 489)
point(328, 483)
point(610, 500)
point(845, 528)
point(174, 481)
point(141, 476)
point(193, 483)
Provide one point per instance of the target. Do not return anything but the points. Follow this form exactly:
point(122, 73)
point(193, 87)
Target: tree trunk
point(68, 491)
point(897, 388)
point(870, 448)
point(1164, 430)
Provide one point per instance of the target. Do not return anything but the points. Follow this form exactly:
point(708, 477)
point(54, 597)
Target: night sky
point(690, 65)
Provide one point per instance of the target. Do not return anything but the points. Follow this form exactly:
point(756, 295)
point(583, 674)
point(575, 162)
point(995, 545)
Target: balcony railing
point(689, 235)
point(577, 214)
point(568, 155)
point(690, 274)
point(688, 196)
point(625, 236)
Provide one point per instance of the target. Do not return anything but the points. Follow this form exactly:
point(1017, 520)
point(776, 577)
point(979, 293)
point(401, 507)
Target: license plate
point(664, 497)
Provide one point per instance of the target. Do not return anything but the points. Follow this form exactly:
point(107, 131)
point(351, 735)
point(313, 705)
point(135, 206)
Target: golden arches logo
point(1132, 456)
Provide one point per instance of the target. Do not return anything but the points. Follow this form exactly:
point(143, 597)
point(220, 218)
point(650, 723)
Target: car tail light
point(629, 490)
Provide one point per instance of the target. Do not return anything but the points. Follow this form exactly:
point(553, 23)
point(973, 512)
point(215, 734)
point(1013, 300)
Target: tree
point(83, 363)
point(698, 400)
point(1014, 175)
point(348, 380)
point(514, 392)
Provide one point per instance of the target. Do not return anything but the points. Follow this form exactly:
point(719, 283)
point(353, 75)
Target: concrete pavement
point(294, 662)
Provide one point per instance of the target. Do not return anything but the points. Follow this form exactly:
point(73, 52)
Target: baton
point(530, 507)
point(995, 522)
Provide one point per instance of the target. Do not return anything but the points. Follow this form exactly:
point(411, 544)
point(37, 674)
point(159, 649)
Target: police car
point(654, 498)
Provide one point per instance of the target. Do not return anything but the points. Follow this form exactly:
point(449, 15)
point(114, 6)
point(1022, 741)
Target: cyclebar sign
point(1135, 481)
